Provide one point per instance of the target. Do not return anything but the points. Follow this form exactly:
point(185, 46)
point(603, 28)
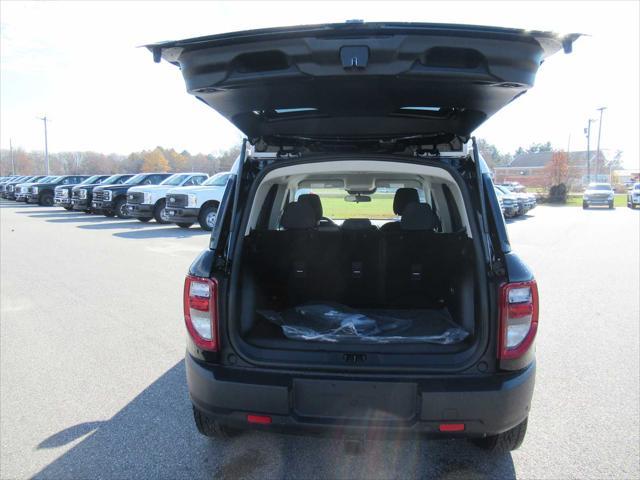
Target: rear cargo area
point(373, 257)
point(315, 289)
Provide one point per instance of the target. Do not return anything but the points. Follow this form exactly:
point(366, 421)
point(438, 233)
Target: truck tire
point(145, 219)
point(611, 205)
point(68, 208)
point(185, 225)
point(207, 216)
point(503, 442)
point(46, 200)
point(121, 209)
point(585, 205)
point(159, 212)
point(210, 428)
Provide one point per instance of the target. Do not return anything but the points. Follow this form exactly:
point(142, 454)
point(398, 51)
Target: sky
point(80, 64)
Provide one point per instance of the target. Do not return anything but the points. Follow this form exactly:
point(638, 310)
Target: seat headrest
point(298, 216)
point(314, 201)
point(357, 224)
point(418, 216)
point(403, 197)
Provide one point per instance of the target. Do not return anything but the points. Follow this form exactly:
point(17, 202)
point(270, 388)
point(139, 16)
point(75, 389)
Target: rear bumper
point(182, 215)
point(140, 210)
point(486, 405)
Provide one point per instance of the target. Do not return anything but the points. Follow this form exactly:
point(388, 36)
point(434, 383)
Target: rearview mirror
point(357, 198)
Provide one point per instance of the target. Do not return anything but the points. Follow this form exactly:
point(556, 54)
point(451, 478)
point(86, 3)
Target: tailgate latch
point(354, 57)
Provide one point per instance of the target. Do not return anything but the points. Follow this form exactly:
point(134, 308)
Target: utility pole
point(599, 132)
point(13, 165)
point(46, 146)
point(587, 132)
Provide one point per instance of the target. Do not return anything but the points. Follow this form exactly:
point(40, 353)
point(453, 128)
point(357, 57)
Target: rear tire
point(503, 442)
point(585, 205)
point(68, 208)
point(145, 219)
point(611, 206)
point(207, 217)
point(159, 212)
point(121, 209)
point(208, 427)
point(185, 225)
point(109, 214)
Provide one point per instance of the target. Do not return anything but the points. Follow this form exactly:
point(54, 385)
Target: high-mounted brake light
point(201, 311)
point(518, 318)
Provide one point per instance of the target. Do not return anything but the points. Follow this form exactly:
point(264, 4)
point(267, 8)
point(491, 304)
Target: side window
point(192, 181)
point(66, 181)
point(198, 180)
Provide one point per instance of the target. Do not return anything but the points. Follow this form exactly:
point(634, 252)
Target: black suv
point(111, 200)
point(82, 195)
point(43, 193)
point(360, 278)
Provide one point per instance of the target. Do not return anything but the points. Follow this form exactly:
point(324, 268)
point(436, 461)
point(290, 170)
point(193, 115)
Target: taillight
point(201, 311)
point(518, 318)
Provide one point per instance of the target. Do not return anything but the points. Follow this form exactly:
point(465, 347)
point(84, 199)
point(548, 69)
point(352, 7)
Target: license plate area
point(369, 401)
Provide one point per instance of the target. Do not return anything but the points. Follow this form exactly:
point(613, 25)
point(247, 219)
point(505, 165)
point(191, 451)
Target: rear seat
point(357, 265)
point(300, 262)
point(360, 262)
point(419, 262)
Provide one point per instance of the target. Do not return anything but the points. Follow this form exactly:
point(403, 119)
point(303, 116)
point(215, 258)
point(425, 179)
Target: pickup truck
point(111, 200)
point(148, 201)
point(598, 195)
point(18, 191)
point(188, 205)
point(4, 185)
point(63, 193)
point(42, 193)
point(82, 195)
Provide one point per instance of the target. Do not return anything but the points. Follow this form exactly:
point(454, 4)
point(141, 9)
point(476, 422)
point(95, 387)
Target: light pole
point(13, 165)
point(587, 132)
point(601, 109)
point(46, 146)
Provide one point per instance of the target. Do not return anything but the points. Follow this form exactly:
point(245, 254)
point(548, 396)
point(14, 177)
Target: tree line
point(78, 163)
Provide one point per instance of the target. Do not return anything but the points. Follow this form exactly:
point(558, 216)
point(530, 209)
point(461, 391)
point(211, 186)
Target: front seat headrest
point(298, 216)
point(418, 216)
point(403, 197)
point(314, 202)
point(357, 224)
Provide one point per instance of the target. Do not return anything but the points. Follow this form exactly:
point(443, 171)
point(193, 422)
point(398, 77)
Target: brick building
point(529, 169)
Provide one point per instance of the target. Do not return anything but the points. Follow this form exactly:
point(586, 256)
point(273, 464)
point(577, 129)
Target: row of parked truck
point(180, 198)
point(514, 201)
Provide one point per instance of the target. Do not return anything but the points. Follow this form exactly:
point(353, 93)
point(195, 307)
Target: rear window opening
point(371, 257)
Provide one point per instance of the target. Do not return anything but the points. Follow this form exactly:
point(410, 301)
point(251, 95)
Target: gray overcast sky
point(78, 63)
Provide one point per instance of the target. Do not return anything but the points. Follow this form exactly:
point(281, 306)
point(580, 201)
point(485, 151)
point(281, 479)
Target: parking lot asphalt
point(93, 386)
